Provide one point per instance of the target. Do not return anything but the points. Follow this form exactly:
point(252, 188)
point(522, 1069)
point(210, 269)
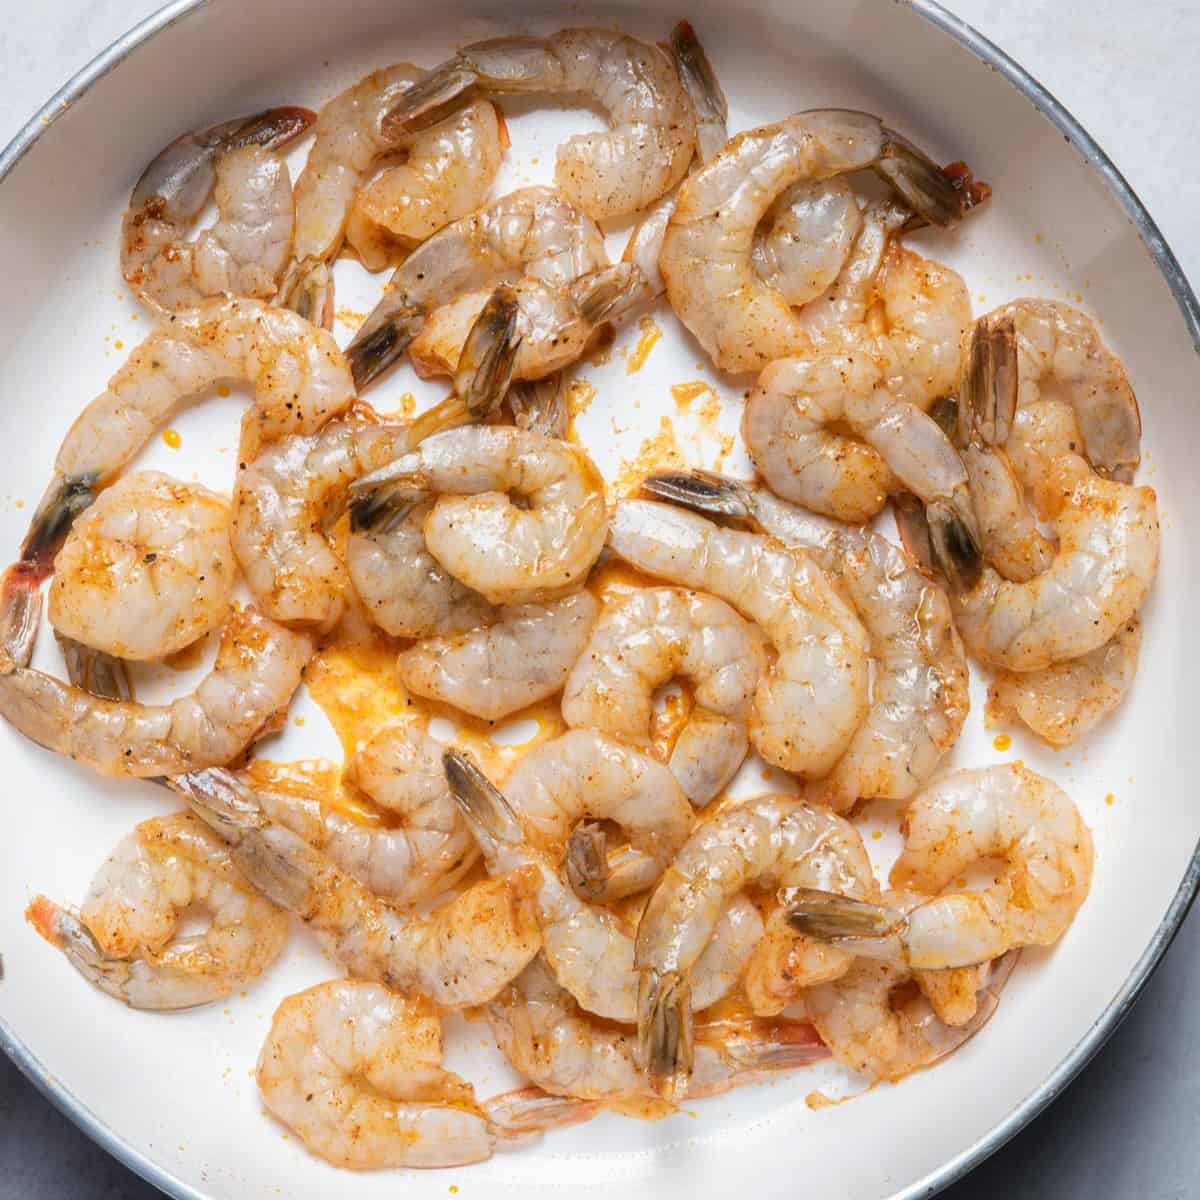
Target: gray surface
point(1126, 1127)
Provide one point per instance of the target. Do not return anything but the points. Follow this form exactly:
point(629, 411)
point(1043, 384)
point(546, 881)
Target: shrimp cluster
point(604, 749)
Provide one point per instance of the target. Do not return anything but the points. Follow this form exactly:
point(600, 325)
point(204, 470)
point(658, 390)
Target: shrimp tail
point(703, 491)
point(609, 293)
point(988, 393)
point(430, 100)
point(383, 508)
point(488, 813)
point(540, 405)
point(20, 612)
point(954, 541)
point(774, 1046)
point(665, 1030)
point(307, 289)
point(376, 347)
point(521, 1116)
point(829, 917)
point(587, 860)
point(485, 366)
point(95, 671)
point(63, 928)
point(64, 500)
point(936, 196)
point(698, 77)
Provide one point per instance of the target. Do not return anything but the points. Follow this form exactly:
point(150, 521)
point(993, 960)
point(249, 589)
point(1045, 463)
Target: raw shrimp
point(919, 696)
point(653, 124)
point(425, 847)
point(356, 1071)
point(246, 251)
point(448, 173)
point(125, 939)
point(810, 702)
point(772, 840)
point(589, 952)
point(460, 954)
point(258, 667)
point(1063, 702)
point(552, 1042)
point(540, 405)
point(510, 554)
point(874, 1024)
point(146, 570)
point(707, 258)
point(643, 641)
point(532, 232)
point(521, 657)
point(1006, 812)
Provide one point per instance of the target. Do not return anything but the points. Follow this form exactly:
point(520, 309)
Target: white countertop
point(1128, 72)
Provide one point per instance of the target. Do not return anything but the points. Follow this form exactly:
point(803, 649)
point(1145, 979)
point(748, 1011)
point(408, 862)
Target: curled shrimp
point(246, 251)
point(774, 840)
point(707, 257)
point(524, 655)
point(126, 937)
point(448, 172)
point(258, 667)
point(919, 695)
point(355, 1070)
point(509, 554)
point(558, 1046)
point(1006, 812)
point(588, 950)
point(815, 695)
point(873, 1023)
point(146, 570)
point(652, 133)
point(458, 955)
point(642, 642)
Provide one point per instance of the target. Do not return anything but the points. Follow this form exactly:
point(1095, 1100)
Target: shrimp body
point(645, 640)
point(125, 938)
point(246, 251)
point(815, 695)
point(653, 124)
point(510, 554)
point(146, 570)
point(257, 669)
point(589, 952)
point(460, 954)
point(523, 656)
point(772, 840)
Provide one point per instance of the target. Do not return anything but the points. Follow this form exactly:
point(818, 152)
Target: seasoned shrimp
point(525, 655)
point(772, 840)
point(1006, 812)
point(810, 702)
point(558, 1046)
point(531, 233)
point(510, 554)
point(707, 258)
point(257, 669)
point(590, 953)
point(643, 641)
point(1065, 701)
point(875, 1025)
point(125, 939)
point(146, 570)
point(653, 124)
point(448, 173)
point(458, 955)
point(919, 696)
point(246, 251)
point(356, 1071)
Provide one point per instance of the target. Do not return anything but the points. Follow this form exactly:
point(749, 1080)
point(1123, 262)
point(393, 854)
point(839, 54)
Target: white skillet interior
point(178, 1089)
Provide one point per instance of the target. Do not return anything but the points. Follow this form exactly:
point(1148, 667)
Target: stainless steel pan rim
point(1105, 1025)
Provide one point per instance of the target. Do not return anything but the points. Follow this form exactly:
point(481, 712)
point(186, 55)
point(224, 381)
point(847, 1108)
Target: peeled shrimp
point(809, 704)
point(146, 570)
point(246, 251)
point(510, 554)
point(458, 955)
point(773, 840)
point(257, 669)
point(1005, 812)
point(523, 656)
point(558, 1046)
point(645, 640)
point(707, 258)
point(873, 1024)
point(919, 697)
point(355, 1070)
point(590, 953)
point(653, 124)
point(125, 939)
